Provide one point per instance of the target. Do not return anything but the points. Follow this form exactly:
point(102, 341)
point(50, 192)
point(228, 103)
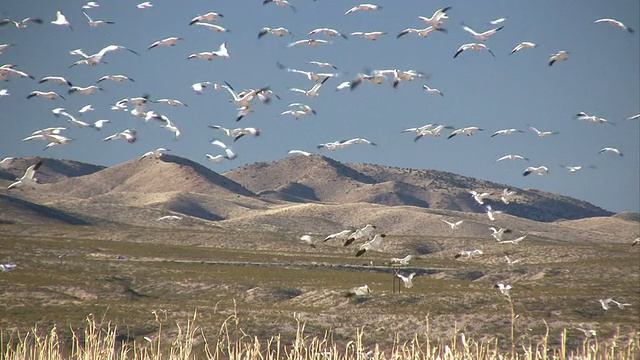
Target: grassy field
point(269, 283)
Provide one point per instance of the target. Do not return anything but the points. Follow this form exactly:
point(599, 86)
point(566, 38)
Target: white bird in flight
point(492, 213)
point(280, 3)
point(479, 197)
point(22, 23)
point(144, 5)
point(96, 23)
point(453, 225)
point(208, 17)
point(363, 7)
point(61, 20)
point(364, 232)
point(279, 31)
point(559, 56)
point(170, 41)
point(298, 152)
point(472, 46)
point(371, 245)
point(51, 95)
point(58, 79)
point(437, 18)
point(169, 217)
point(209, 55)
point(29, 177)
point(506, 132)
point(610, 150)
point(407, 280)
point(504, 289)
point(313, 92)
point(371, 35)
point(429, 90)
point(129, 134)
point(512, 157)
point(468, 253)
point(466, 130)
point(483, 36)
point(543, 133)
point(327, 31)
point(514, 241)
point(507, 196)
point(402, 261)
point(7, 267)
point(499, 233)
point(614, 23)
point(523, 45)
point(307, 239)
point(309, 42)
point(539, 170)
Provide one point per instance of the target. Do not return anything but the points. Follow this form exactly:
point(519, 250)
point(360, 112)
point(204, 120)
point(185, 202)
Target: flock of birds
point(245, 102)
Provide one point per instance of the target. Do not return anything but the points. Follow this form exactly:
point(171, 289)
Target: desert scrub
point(186, 341)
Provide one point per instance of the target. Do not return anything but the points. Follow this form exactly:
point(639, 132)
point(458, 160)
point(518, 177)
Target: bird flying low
point(453, 225)
point(128, 134)
point(402, 261)
point(468, 253)
point(299, 152)
point(479, 197)
point(307, 239)
point(364, 232)
point(407, 280)
point(539, 170)
point(373, 245)
point(29, 177)
point(342, 235)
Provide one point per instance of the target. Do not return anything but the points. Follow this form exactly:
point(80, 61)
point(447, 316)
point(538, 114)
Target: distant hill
point(320, 179)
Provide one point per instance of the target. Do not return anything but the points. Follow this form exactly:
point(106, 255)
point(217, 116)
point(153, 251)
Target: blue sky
point(601, 77)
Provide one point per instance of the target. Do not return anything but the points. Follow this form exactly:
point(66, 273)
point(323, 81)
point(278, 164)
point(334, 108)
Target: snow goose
point(297, 114)
point(51, 95)
point(129, 134)
point(363, 7)
point(242, 100)
point(364, 232)
point(169, 217)
point(28, 178)
point(523, 45)
point(371, 245)
point(592, 118)
point(510, 261)
point(229, 154)
point(61, 20)
point(322, 64)
point(280, 3)
point(157, 153)
point(468, 253)
point(407, 280)
point(4, 163)
point(634, 243)
point(483, 36)
point(634, 117)
point(507, 196)
point(208, 17)
point(313, 92)
point(144, 5)
point(99, 124)
point(498, 21)
point(215, 159)
point(58, 79)
point(437, 18)
point(279, 31)
point(170, 41)
point(8, 69)
point(342, 235)
point(432, 91)
point(472, 46)
point(213, 27)
point(89, 90)
point(499, 233)
point(371, 35)
point(309, 42)
point(512, 157)
point(479, 197)
point(221, 52)
point(559, 56)
point(421, 32)
point(466, 130)
point(91, 5)
point(22, 23)
point(4, 47)
point(172, 102)
point(303, 107)
point(246, 131)
point(96, 23)
point(4, 92)
point(453, 225)
point(605, 303)
point(610, 150)
point(308, 74)
point(514, 241)
point(95, 59)
point(85, 109)
point(539, 170)
point(614, 23)
point(491, 214)
point(504, 289)
point(506, 132)
point(358, 141)
point(7, 267)
point(200, 86)
point(543, 133)
point(299, 152)
point(359, 291)
point(327, 31)
point(307, 239)
point(55, 140)
point(402, 261)
point(433, 132)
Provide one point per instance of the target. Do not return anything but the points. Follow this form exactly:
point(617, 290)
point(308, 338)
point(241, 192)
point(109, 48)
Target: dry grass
point(99, 341)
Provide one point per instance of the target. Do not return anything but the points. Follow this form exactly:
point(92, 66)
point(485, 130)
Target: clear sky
point(601, 77)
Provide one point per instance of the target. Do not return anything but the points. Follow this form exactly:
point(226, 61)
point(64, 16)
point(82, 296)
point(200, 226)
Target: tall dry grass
point(99, 342)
